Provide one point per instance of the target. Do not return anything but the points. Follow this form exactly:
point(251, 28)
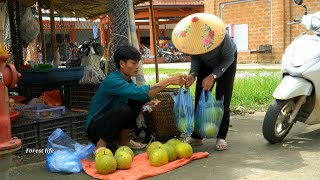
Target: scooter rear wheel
point(276, 124)
point(183, 57)
point(168, 58)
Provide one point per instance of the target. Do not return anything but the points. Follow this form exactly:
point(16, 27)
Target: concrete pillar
point(139, 36)
point(157, 29)
point(278, 27)
point(1, 23)
point(152, 55)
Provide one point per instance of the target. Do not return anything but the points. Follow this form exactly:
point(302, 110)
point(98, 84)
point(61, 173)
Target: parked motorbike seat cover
point(292, 87)
point(198, 33)
point(302, 50)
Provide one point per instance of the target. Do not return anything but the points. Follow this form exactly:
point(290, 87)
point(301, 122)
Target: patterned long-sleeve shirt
point(218, 59)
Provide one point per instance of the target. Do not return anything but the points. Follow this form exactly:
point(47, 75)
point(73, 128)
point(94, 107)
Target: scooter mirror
point(298, 2)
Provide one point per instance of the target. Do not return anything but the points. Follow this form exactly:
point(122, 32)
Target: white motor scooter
point(297, 97)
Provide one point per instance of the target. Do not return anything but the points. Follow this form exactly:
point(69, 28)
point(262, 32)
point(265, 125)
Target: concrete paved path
point(249, 157)
point(186, 65)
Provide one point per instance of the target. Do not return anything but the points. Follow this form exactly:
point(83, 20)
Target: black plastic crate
point(35, 89)
point(65, 95)
point(81, 95)
point(27, 131)
point(47, 126)
point(77, 124)
point(80, 104)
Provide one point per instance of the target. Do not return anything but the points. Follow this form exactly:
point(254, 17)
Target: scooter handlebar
point(296, 21)
point(312, 22)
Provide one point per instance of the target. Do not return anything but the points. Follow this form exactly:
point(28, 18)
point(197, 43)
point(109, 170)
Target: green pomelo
point(173, 141)
point(124, 160)
point(104, 151)
point(152, 146)
point(158, 157)
point(106, 164)
point(171, 151)
point(210, 130)
point(125, 148)
point(184, 150)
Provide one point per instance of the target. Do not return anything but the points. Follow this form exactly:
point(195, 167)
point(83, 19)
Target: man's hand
point(177, 80)
point(208, 82)
point(150, 105)
point(153, 103)
point(190, 80)
point(174, 80)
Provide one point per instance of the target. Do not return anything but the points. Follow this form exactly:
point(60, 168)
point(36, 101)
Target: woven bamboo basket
point(161, 121)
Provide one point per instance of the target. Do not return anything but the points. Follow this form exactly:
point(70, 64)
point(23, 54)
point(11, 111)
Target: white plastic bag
point(29, 27)
point(94, 62)
point(90, 76)
point(65, 153)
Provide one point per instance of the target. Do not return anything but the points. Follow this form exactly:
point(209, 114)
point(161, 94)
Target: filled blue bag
point(64, 154)
point(208, 116)
point(183, 111)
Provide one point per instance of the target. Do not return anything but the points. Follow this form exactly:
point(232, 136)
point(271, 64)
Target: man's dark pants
point(113, 121)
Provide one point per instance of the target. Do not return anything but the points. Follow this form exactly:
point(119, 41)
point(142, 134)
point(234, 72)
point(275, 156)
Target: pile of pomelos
point(160, 154)
point(106, 163)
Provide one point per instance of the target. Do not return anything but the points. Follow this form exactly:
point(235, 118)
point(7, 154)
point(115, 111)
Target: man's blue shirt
point(115, 90)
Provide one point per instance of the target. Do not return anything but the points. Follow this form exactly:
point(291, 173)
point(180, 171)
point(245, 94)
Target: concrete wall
point(267, 23)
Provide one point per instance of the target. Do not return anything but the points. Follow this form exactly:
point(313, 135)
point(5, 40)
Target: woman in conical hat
point(213, 60)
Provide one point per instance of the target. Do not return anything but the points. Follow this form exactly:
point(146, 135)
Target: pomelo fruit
point(184, 150)
point(183, 125)
point(152, 146)
point(125, 148)
point(209, 114)
point(124, 160)
point(173, 141)
point(191, 123)
point(158, 157)
point(218, 113)
point(171, 151)
point(106, 164)
point(104, 151)
point(210, 130)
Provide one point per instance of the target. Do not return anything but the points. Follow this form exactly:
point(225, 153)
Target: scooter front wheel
point(276, 124)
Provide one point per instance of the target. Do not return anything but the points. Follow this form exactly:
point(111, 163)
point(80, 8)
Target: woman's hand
point(190, 80)
point(208, 82)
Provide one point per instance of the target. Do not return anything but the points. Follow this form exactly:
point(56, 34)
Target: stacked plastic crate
point(47, 118)
point(77, 121)
point(81, 95)
point(27, 131)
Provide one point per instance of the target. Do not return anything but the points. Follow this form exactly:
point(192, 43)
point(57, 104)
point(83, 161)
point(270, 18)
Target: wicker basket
point(161, 121)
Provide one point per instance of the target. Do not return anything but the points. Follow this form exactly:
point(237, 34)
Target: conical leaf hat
point(198, 33)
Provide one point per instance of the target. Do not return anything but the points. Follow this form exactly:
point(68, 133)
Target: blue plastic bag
point(208, 116)
point(65, 153)
point(184, 111)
